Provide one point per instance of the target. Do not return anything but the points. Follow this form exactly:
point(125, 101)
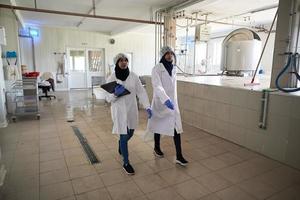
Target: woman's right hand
point(119, 90)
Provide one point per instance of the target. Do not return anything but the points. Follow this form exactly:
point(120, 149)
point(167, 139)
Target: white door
point(96, 65)
point(77, 68)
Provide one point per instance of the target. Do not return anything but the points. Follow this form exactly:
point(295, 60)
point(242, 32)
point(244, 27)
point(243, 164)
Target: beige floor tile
point(292, 193)
point(22, 183)
point(107, 165)
point(234, 193)
point(196, 169)
point(165, 194)
point(55, 176)
point(245, 154)
point(49, 141)
point(100, 194)
point(142, 169)
point(50, 147)
point(69, 198)
point(281, 178)
point(70, 144)
point(229, 158)
point(56, 191)
point(160, 164)
point(191, 190)
point(88, 183)
point(213, 182)
point(73, 151)
point(52, 165)
point(214, 150)
point(213, 163)
point(197, 154)
point(53, 155)
point(210, 197)
point(114, 176)
point(76, 160)
point(257, 188)
point(240, 172)
point(28, 194)
point(124, 191)
point(81, 171)
point(174, 176)
point(150, 183)
point(146, 155)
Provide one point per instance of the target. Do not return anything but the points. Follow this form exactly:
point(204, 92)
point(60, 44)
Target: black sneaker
point(181, 161)
point(158, 153)
point(128, 169)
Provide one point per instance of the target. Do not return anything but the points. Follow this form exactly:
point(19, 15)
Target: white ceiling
point(141, 9)
point(134, 9)
point(234, 12)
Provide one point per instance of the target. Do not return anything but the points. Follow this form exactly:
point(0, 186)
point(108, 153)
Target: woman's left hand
point(149, 112)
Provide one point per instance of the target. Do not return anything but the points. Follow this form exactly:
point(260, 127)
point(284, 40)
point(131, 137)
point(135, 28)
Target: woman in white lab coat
point(124, 109)
point(166, 118)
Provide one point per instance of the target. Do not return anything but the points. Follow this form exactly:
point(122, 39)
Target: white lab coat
point(164, 120)
point(124, 110)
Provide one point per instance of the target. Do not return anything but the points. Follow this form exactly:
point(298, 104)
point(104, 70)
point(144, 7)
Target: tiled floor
point(45, 161)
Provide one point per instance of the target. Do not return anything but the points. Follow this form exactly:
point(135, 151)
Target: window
point(77, 60)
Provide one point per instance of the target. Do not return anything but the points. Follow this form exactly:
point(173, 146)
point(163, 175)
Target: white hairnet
point(165, 49)
point(118, 56)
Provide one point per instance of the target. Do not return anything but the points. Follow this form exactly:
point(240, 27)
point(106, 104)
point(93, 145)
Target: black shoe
point(128, 169)
point(158, 153)
point(181, 161)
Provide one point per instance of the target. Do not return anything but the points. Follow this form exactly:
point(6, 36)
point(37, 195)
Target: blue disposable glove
point(119, 90)
point(169, 104)
point(149, 112)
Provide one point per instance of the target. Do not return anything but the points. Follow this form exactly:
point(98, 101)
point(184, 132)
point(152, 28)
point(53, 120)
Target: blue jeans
point(124, 144)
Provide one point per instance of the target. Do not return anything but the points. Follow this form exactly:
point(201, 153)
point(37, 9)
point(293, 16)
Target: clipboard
point(110, 88)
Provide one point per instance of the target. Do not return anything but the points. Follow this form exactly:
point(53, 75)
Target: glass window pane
point(96, 61)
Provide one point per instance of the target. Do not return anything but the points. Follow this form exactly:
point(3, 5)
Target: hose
point(293, 61)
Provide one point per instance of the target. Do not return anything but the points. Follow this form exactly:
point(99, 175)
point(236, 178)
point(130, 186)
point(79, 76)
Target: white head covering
point(118, 56)
point(165, 49)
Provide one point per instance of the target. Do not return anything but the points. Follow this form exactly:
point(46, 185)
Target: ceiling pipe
point(89, 12)
point(250, 12)
point(78, 14)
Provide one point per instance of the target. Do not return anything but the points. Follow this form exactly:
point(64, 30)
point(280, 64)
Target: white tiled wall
point(233, 114)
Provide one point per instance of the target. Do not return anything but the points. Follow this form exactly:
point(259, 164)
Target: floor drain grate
point(87, 149)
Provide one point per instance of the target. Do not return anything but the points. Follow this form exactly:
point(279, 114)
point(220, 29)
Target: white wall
point(59, 39)
point(10, 23)
point(8, 20)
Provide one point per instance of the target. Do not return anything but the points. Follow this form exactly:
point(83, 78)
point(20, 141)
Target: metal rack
point(23, 98)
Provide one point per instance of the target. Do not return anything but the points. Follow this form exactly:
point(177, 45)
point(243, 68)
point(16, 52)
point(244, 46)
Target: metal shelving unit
point(23, 98)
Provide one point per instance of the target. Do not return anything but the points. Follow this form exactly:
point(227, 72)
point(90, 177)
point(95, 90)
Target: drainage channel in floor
point(86, 147)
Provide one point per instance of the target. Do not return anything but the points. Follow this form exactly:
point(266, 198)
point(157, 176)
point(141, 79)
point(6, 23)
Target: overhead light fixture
point(33, 32)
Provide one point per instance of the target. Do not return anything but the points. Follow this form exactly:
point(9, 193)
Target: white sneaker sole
point(159, 156)
point(180, 163)
point(128, 172)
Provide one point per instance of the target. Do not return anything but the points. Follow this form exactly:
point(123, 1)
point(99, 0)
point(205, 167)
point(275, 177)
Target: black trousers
point(177, 142)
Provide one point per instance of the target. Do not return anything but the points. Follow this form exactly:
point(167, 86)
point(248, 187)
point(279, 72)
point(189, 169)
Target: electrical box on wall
point(2, 36)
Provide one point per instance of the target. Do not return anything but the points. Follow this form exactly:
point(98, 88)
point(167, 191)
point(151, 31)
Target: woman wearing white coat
point(124, 109)
point(166, 118)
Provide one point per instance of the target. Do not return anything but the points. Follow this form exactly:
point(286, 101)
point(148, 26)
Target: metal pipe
point(266, 42)
point(264, 109)
point(186, 41)
point(94, 7)
point(35, 6)
point(155, 18)
point(77, 14)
